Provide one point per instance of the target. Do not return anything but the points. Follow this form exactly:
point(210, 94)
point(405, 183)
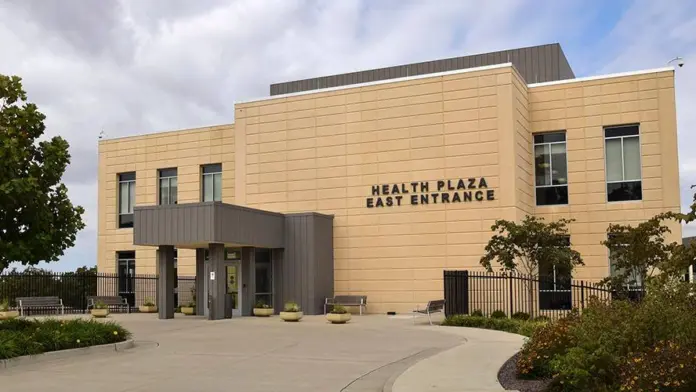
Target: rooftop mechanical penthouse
point(374, 182)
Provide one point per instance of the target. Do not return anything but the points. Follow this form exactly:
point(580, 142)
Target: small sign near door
point(212, 275)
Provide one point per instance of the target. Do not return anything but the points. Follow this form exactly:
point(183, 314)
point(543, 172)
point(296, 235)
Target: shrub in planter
point(498, 314)
point(148, 306)
point(476, 313)
point(291, 312)
point(521, 316)
point(5, 312)
point(100, 310)
point(338, 315)
point(262, 309)
point(189, 309)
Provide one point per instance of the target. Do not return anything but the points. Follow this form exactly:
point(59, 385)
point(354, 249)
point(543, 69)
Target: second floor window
point(550, 168)
point(126, 199)
point(167, 186)
point(622, 149)
point(212, 182)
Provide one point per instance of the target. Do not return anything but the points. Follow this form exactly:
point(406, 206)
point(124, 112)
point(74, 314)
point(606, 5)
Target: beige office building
point(413, 163)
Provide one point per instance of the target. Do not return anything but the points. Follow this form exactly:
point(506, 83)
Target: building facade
point(413, 171)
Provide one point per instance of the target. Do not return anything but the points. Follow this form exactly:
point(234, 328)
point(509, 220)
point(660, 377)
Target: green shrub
point(291, 307)
point(29, 337)
point(499, 324)
point(476, 313)
point(669, 365)
point(521, 316)
point(498, 314)
point(261, 304)
point(546, 342)
point(542, 318)
point(338, 309)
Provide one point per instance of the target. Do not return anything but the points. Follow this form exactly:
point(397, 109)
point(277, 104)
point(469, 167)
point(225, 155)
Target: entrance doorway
point(233, 273)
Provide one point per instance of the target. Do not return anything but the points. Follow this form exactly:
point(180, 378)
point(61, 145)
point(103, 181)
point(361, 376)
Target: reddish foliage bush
point(546, 342)
point(667, 367)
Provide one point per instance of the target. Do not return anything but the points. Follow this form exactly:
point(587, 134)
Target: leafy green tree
point(37, 220)
point(522, 247)
point(641, 253)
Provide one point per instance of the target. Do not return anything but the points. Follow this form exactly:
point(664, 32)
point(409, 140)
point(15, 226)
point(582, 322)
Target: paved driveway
point(243, 354)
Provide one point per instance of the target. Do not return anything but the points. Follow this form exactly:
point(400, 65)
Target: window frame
point(623, 163)
point(269, 264)
point(211, 176)
point(131, 203)
point(160, 177)
point(549, 144)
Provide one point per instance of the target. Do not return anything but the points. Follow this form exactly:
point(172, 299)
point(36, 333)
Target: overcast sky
point(142, 66)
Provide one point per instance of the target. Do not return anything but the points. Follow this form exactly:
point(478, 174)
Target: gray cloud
point(129, 66)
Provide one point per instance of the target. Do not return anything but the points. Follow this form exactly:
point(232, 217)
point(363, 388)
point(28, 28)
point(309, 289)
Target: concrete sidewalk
point(470, 366)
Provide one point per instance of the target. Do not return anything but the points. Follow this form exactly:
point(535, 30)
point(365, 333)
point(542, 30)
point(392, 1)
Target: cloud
point(130, 67)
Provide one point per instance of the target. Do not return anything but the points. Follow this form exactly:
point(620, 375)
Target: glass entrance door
point(234, 275)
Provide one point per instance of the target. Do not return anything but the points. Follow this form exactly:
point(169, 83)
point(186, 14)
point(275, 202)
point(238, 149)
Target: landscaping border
point(62, 354)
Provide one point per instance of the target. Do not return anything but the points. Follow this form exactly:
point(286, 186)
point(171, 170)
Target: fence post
point(465, 293)
point(582, 294)
point(84, 293)
point(511, 299)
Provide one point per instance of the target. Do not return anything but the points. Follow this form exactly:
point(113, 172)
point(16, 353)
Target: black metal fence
point(74, 289)
point(472, 291)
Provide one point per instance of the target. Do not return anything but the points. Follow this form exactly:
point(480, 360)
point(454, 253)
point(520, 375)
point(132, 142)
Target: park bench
point(111, 302)
point(437, 306)
point(27, 303)
point(347, 300)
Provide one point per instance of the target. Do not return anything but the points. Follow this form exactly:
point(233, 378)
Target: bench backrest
point(350, 299)
point(434, 306)
point(107, 300)
point(38, 301)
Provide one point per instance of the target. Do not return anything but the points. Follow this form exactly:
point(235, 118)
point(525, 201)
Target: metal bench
point(437, 306)
point(347, 300)
point(114, 301)
point(27, 303)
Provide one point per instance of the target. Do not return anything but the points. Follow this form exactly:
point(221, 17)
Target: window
point(167, 186)
point(554, 286)
point(634, 285)
point(551, 169)
point(126, 199)
point(126, 275)
point(212, 182)
point(622, 148)
point(264, 276)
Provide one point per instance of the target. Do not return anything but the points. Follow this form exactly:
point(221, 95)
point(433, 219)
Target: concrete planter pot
point(338, 318)
point(291, 316)
point(187, 310)
point(99, 313)
point(9, 314)
point(147, 309)
point(263, 312)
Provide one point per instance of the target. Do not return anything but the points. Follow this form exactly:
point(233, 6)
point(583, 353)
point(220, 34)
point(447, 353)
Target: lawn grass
point(20, 337)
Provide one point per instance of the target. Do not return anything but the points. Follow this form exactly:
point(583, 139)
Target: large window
point(622, 147)
point(167, 186)
point(551, 168)
point(212, 182)
point(126, 199)
point(126, 275)
point(264, 276)
point(633, 288)
point(555, 286)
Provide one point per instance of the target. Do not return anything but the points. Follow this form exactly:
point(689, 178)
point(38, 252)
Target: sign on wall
point(463, 190)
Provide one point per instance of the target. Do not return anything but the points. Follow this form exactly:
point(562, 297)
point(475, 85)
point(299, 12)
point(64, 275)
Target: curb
point(62, 354)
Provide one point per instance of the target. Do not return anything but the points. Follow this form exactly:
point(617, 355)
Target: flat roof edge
point(377, 82)
point(600, 77)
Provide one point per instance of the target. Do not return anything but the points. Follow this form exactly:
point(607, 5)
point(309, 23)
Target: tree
point(522, 247)
point(37, 220)
point(641, 253)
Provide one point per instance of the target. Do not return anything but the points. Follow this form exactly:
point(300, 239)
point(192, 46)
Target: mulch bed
point(507, 377)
